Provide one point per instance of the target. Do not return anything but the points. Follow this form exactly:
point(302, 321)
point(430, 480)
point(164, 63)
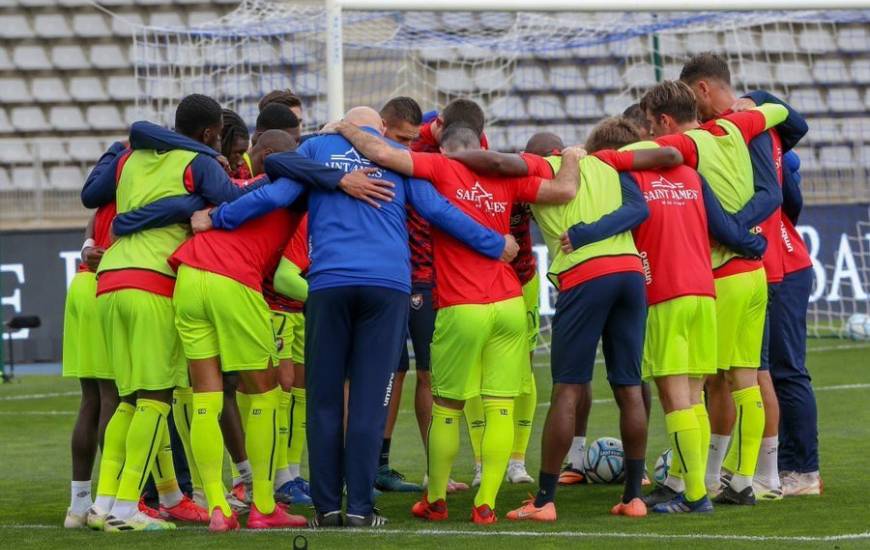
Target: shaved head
point(365, 116)
point(270, 141)
point(544, 143)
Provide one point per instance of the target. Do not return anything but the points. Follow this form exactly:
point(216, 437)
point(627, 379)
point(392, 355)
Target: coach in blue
point(356, 313)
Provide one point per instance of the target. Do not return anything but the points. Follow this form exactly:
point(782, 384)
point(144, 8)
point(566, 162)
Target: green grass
point(34, 486)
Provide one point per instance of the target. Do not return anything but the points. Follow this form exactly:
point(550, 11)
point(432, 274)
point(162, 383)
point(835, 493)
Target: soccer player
point(284, 97)
point(680, 347)
point(234, 144)
point(84, 357)
point(710, 79)
point(601, 294)
point(718, 150)
point(480, 345)
point(356, 311)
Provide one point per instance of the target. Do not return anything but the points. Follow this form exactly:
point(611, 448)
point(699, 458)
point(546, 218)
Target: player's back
point(723, 159)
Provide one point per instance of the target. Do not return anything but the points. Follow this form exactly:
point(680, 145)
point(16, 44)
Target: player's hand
point(511, 248)
point(566, 245)
point(225, 164)
point(91, 256)
point(360, 186)
point(574, 153)
point(201, 220)
point(330, 127)
point(743, 104)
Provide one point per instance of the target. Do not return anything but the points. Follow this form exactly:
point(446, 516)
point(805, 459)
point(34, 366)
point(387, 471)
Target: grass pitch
point(37, 413)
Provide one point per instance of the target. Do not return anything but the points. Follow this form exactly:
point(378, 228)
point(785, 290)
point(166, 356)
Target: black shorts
point(421, 327)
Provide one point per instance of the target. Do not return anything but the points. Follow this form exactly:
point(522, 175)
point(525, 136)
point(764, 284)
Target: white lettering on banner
point(14, 299)
point(71, 260)
point(845, 268)
point(813, 242)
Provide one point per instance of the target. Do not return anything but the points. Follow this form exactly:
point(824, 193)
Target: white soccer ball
point(605, 461)
point(858, 326)
point(663, 466)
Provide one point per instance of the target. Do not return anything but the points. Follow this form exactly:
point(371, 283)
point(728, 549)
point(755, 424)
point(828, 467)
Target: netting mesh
point(530, 71)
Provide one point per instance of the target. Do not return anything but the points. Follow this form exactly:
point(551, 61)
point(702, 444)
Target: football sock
point(577, 452)
point(164, 473)
point(703, 433)
point(476, 421)
point(114, 452)
point(443, 447)
point(384, 458)
point(675, 474)
point(243, 401)
point(717, 449)
point(546, 488)
point(207, 444)
point(80, 497)
point(143, 441)
point(261, 434)
point(297, 431)
point(682, 426)
point(182, 416)
point(742, 457)
point(525, 406)
point(634, 468)
point(768, 468)
point(281, 474)
point(498, 438)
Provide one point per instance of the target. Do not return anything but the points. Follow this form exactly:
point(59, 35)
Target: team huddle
point(257, 292)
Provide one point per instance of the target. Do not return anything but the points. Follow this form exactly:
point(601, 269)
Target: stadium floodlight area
point(554, 65)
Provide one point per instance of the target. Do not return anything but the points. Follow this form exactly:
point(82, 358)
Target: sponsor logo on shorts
point(279, 343)
point(256, 412)
point(416, 301)
point(201, 411)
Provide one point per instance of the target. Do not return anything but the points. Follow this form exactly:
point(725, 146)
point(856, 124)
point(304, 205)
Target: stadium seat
point(87, 88)
point(198, 18)
point(702, 42)
point(583, 106)
point(259, 53)
point(831, 71)
point(133, 113)
point(855, 130)
point(853, 39)
point(126, 24)
point(14, 151)
point(433, 55)
point(498, 139)
point(298, 53)
point(860, 69)
point(568, 133)
point(671, 71)
point(778, 41)
point(109, 56)
point(603, 77)
point(864, 156)
point(105, 117)
point(498, 21)
point(5, 182)
point(65, 177)
point(51, 25)
point(790, 73)
point(490, 78)
point(808, 100)
point(740, 41)
point(307, 83)
point(49, 90)
point(161, 88)
point(530, 77)
point(14, 90)
point(453, 80)
point(845, 100)
point(90, 25)
point(204, 84)
point(518, 136)
point(85, 149)
point(233, 85)
point(166, 20)
point(455, 21)
point(755, 73)
point(27, 177)
point(508, 108)
point(825, 130)
point(629, 47)
point(5, 61)
point(37, 3)
point(5, 126)
point(150, 54)
point(15, 25)
point(672, 45)
point(67, 118)
point(567, 78)
point(50, 150)
point(470, 52)
point(818, 40)
point(640, 75)
point(836, 156)
point(184, 55)
point(546, 107)
point(31, 58)
point(615, 104)
point(588, 52)
point(123, 88)
point(29, 119)
point(69, 58)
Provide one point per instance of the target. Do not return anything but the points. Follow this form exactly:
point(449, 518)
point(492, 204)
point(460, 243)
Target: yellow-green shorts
point(741, 305)
point(219, 317)
point(532, 301)
point(289, 328)
point(84, 346)
point(480, 349)
point(143, 345)
point(680, 338)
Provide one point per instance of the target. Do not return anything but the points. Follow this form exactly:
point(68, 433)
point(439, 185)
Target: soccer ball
point(605, 461)
point(663, 466)
point(858, 326)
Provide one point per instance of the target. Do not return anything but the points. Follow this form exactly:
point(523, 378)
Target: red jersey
point(672, 242)
point(795, 256)
point(462, 275)
point(103, 219)
point(526, 264)
point(297, 252)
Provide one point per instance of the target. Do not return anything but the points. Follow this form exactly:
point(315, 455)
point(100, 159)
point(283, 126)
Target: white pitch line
point(38, 396)
point(843, 387)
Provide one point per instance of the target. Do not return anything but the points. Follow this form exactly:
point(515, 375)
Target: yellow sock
point(143, 441)
point(748, 431)
point(243, 400)
point(114, 450)
point(443, 447)
point(297, 427)
point(476, 421)
point(525, 406)
point(182, 415)
point(261, 434)
point(498, 438)
point(283, 430)
point(700, 411)
point(164, 472)
point(207, 444)
point(682, 426)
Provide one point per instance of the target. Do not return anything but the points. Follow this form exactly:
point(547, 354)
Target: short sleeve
point(684, 145)
point(538, 166)
point(426, 165)
point(618, 160)
point(526, 189)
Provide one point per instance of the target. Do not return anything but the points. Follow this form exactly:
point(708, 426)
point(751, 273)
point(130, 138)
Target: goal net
point(531, 71)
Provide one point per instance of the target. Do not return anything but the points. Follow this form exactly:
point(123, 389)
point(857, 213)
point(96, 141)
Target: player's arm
point(280, 194)
point(288, 280)
point(727, 230)
point(438, 211)
point(160, 213)
point(492, 163)
point(91, 253)
point(633, 212)
point(760, 119)
point(768, 193)
point(377, 150)
point(147, 135)
point(792, 197)
point(563, 187)
point(99, 188)
point(790, 131)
